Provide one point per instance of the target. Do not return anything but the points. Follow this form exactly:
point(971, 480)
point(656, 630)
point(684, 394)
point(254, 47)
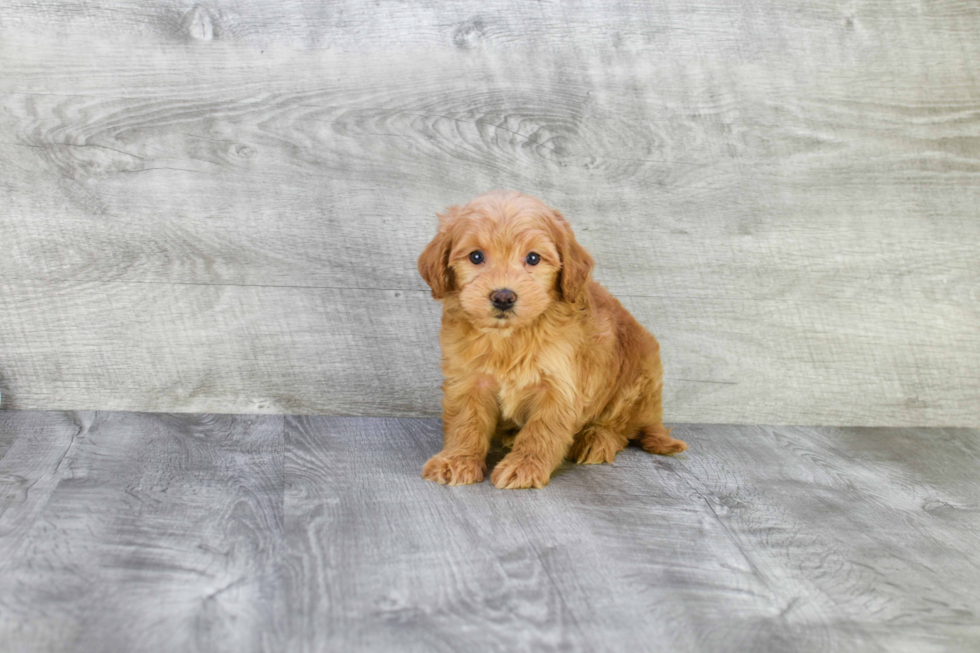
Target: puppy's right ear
point(434, 261)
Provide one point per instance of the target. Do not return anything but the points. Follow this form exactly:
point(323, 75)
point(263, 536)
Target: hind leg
point(597, 444)
point(656, 439)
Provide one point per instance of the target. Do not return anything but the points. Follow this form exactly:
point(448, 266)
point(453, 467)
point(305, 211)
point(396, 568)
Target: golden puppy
point(530, 342)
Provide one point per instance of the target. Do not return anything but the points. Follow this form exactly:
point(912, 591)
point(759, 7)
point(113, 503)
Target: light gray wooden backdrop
point(218, 207)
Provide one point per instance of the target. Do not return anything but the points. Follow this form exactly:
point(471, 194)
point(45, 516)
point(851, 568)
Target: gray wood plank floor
point(156, 532)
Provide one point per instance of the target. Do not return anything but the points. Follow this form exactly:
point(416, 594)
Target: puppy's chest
point(519, 378)
point(515, 401)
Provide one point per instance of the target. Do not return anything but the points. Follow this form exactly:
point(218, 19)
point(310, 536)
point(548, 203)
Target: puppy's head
point(508, 257)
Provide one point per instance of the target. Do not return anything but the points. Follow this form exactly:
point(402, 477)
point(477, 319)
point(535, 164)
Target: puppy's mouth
point(502, 316)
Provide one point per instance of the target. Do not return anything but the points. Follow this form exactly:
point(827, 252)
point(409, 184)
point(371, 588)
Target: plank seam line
point(426, 291)
point(55, 143)
point(159, 168)
point(249, 285)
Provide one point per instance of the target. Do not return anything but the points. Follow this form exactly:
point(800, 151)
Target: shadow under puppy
point(530, 342)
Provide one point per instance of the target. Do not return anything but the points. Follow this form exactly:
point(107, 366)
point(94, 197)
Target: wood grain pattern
point(151, 533)
point(35, 453)
point(785, 194)
point(589, 565)
point(759, 538)
point(851, 527)
point(200, 344)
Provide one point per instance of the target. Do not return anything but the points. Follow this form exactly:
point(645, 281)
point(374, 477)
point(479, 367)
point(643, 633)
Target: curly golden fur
point(563, 362)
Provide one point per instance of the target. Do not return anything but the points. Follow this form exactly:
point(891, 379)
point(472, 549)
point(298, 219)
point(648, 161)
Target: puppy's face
point(508, 257)
point(504, 270)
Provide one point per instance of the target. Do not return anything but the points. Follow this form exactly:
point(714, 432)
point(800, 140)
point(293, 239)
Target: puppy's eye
point(476, 257)
point(533, 258)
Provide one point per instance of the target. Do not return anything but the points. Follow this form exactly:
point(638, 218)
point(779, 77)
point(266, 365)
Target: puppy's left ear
point(434, 262)
point(576, 263)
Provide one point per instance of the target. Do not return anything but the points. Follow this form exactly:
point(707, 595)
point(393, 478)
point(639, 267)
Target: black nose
point(503, 299)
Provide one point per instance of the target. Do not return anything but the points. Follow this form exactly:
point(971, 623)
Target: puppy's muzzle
point(503, 299)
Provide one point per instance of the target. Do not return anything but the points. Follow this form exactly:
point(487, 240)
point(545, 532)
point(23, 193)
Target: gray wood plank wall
point(217, 207)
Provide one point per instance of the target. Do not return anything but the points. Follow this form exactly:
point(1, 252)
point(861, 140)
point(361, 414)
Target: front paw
point(516, 471)
point(446, 469)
